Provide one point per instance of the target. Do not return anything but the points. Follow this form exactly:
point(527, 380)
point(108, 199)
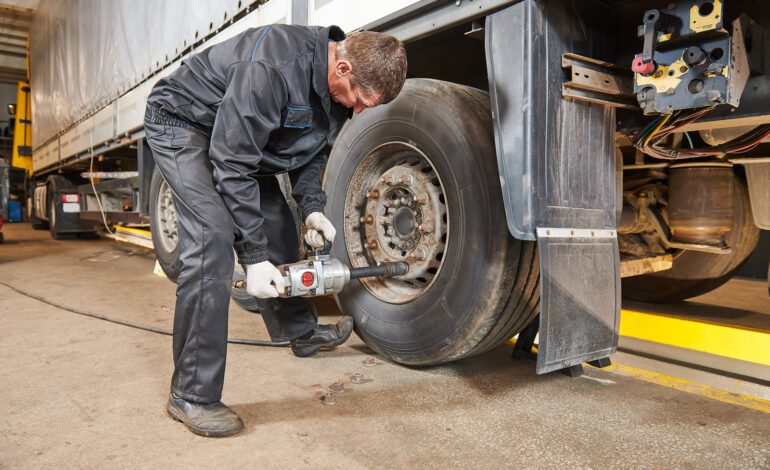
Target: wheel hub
point(404, 223)
point(401, 217)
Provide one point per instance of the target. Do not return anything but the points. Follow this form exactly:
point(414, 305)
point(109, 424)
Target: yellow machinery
point(22, 131)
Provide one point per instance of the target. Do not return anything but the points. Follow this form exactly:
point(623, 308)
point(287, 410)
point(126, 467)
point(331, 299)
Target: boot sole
point(179, 416)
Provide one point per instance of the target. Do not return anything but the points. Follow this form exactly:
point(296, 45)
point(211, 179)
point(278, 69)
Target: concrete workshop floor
point(86, 393)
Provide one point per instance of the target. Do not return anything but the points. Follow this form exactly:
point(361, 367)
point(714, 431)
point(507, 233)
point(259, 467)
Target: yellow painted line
point(137, 231)
point(722, 340)
point(693, 388)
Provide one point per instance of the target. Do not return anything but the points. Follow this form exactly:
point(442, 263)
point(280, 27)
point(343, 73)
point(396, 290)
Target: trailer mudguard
point(557, 172)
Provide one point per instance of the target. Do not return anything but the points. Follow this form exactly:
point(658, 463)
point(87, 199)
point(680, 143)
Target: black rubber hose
point(151, 329)
point(383, 270)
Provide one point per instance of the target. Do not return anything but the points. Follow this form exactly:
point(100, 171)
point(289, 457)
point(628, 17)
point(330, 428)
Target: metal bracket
point(645, 265)
point(599, 82)
point(665, 237)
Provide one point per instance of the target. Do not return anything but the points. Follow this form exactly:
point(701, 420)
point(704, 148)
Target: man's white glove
point(259, 278)
point(318, 228)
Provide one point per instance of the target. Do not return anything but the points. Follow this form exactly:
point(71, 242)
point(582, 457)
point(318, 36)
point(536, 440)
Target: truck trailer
point(544, 156)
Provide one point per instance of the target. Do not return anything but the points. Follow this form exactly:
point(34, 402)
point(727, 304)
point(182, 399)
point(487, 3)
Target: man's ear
point(343, 68)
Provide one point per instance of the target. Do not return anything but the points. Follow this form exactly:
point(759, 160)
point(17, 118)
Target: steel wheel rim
point(395, 210)
point(166, 218)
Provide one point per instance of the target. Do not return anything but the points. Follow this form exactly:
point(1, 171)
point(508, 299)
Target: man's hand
point(318, 228)
point(259, 278)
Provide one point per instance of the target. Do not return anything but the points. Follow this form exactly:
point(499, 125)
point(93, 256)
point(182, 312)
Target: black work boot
point(324, 336)
point(204, 419)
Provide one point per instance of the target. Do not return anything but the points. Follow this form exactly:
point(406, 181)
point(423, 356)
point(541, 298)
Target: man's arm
point(306, 186)
point(250, 110)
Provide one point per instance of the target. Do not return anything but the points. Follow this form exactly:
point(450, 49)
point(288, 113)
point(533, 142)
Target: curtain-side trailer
point(543, 156)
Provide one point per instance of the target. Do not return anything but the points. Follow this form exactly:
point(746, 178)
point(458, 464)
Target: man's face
point(344, 92)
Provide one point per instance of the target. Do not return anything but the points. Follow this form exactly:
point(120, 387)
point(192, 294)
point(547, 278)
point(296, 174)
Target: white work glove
point(318, 228)
point(259, 277)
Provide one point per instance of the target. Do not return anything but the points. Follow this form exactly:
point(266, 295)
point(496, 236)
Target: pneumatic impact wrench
point(320, 274)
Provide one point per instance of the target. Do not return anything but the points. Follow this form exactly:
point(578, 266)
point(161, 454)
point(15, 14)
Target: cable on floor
point(161, 331)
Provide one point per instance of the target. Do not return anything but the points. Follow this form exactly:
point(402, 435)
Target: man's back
point(193, 92)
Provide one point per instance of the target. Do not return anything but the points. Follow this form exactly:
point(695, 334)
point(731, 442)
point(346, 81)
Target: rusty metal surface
point(396, 212)
point(598, 82)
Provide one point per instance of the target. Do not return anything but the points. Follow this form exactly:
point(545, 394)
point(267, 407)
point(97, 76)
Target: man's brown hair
point(378, 63)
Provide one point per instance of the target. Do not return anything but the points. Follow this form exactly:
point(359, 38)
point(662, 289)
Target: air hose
point(161, 331)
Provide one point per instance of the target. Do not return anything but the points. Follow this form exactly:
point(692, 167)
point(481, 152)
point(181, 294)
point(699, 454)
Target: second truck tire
point(163, 226)
point(487, 285)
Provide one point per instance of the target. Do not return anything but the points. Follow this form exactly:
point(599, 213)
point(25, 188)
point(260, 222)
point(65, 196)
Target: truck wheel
point(695, 273)
point(417, 180)
point(163, 225)
point(53, 204)
point(37, 224)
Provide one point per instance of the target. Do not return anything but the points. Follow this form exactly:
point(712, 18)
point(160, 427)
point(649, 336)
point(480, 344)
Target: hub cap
point(396, 211)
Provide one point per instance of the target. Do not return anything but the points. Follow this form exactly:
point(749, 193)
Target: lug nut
point(369, 362)
point(387, 179)
point(421, 198)
point(374, 194)
point(426, 227)
point(418, 254)
point(328, 399)
point(406, 180)
point(337, 387)
point(368, 219)
point(357, 378)
point(373, 245)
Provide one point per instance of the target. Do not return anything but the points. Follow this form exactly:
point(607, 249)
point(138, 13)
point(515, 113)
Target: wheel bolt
point(406, 180)
point(373, 245)
point(426, 227)
point(368, 219)
point(421, 198)
point(374, 194)
point(387, 179)
point(418, 254)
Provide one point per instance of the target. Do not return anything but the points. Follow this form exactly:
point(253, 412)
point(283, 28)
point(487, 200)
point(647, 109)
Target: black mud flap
point(557, 166)
point(579, 296)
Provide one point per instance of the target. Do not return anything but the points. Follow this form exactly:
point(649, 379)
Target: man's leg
point(293, 319)
point(203, 287)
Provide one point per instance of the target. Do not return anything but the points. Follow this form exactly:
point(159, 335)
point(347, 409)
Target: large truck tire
point(694, 273)
point(37, 223)
point(57, 183)
point(163, 226)
point(429, 157)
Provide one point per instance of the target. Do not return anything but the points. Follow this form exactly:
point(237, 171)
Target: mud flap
point(557, 167)
point(579, 297)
